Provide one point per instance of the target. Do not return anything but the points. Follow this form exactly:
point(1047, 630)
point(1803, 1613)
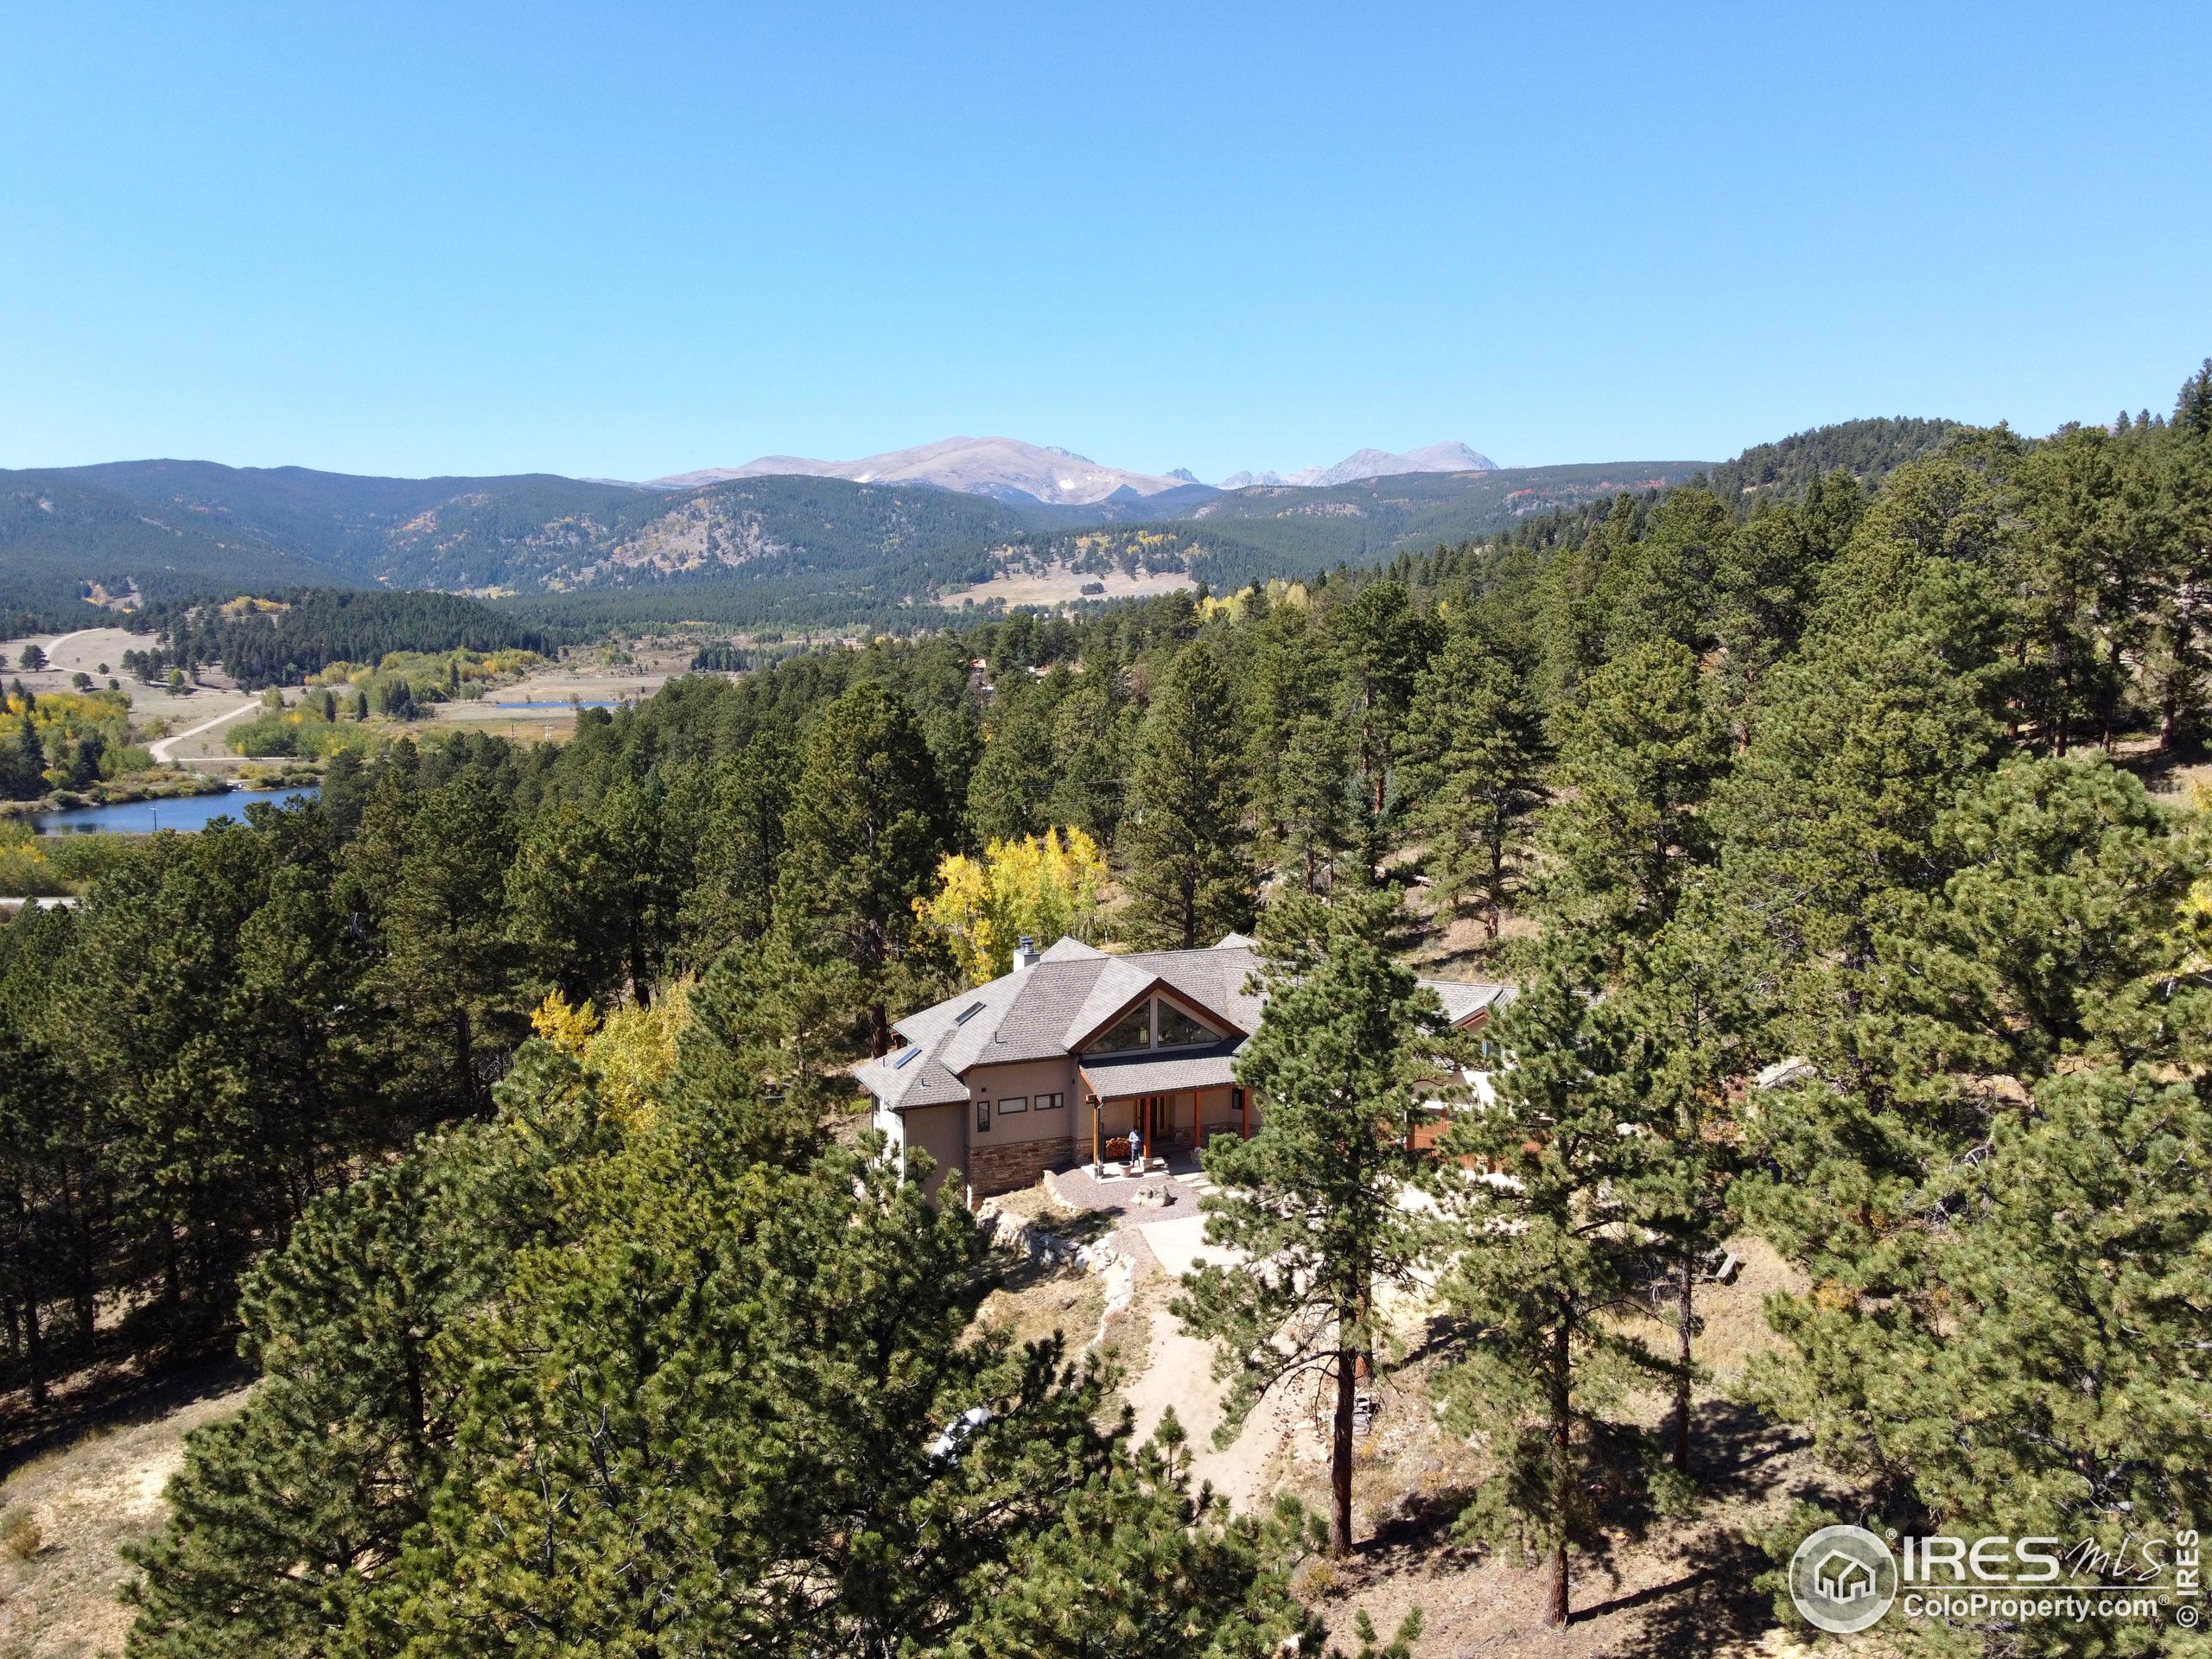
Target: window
point(1133, 1030)
point(983, 1117)
point(967, 1013)
point(1177, 1029)
point(1014, 1103)
point(1048, 1103)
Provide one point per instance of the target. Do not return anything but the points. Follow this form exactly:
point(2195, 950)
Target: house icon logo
point(1843, 1579)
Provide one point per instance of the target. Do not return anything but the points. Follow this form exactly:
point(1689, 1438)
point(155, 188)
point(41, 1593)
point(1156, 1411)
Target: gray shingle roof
point(1042, 1012)
point(1164, 1072)
point(1464, 999)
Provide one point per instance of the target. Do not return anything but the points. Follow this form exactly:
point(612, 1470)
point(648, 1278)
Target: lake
point(143, 818)
point(563, 703)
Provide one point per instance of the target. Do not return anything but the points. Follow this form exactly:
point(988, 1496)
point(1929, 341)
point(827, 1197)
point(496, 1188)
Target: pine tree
point(1475, 756)
point(1314, 805)
point(428, 873)
point(1642, 755)
point(1182, 842)
point(1545, 1267)
point(1683, 1015)
point(2052, 957)
point(1383, 643)
point(741, 840)
point(1139, 1567)
point(867, 823)
point(1346, 1049)
point(286, 1516)
point(748, 1413)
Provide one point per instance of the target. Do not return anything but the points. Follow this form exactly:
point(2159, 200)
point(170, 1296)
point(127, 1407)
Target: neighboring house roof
point(1050, 1009)
point(1464, 999)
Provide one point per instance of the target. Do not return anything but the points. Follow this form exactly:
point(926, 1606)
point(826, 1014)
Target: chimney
point(1025, 954)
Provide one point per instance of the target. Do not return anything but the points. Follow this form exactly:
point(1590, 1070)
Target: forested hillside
point(811, 551)
point(491, 1094)
point(57, 535)
point(288, 637)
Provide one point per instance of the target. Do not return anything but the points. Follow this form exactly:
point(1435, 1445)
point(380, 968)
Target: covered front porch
point(1174, 1105)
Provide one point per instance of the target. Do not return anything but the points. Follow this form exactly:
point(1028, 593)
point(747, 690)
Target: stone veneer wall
point(1015, 1164)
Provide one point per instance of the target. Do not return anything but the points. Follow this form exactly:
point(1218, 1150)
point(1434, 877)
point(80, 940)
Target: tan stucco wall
point(939, 1131)
point(1027, 1079)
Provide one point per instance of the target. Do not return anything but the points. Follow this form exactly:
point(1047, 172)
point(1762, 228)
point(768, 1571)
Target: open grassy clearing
point(67, 1514)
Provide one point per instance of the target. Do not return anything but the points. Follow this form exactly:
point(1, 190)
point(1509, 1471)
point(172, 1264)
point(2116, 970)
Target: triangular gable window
point(1178, 1029)
point(1132, 1030)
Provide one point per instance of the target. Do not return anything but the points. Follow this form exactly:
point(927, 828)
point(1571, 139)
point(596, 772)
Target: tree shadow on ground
point(1710, 1603)
point(1733, 1446)
point(116, 1398)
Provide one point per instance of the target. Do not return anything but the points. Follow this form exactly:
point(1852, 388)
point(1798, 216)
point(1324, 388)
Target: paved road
point(161, 749)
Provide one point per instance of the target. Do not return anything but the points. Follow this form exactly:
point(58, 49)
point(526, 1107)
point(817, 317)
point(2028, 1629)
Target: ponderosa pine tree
point(428, 872)
point(1683, 1012)
point(1182, 840)
point(285, 1516)
point(1543, 1270)
point(1314, 810)
point(732, 897)
point(1382, 641)
point(1642, 755)
point(1011, 785)
point(2056, 949)
point(1141, 1568)
point(1348, 1047)
point(722, 1422)
point(2060, 1396)
point(867, 823)
point(1475, 757)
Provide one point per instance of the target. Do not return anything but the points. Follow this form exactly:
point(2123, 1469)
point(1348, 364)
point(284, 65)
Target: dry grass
point(64, 1519)
point(1684, 1588)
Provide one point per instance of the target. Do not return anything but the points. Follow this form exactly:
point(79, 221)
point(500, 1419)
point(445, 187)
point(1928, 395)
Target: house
point(1054, 1063)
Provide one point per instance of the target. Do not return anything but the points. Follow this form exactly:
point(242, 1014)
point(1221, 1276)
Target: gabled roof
point(1042, 1012)
point(1464, 999)
point(1047, 1010)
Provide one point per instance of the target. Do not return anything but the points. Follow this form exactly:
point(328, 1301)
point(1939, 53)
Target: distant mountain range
point(1006, 469)
point(1369, 463)
point(1023, 474)
point(754, 543)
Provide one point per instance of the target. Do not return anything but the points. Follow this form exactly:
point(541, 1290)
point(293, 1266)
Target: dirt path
point(65, 1515)
point(163, 748)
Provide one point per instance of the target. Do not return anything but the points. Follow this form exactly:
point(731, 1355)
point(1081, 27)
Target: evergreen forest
point(1827, 815)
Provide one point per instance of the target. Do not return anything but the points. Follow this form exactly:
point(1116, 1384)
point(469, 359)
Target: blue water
point(563, 704)
point(143, 818)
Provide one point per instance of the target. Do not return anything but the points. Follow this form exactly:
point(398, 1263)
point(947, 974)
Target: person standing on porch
point(1136, 1150)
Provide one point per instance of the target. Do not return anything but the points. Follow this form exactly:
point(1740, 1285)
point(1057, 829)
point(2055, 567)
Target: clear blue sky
point(626, 240)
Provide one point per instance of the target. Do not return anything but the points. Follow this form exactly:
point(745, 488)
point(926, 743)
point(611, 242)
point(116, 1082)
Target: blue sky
point(630, 240)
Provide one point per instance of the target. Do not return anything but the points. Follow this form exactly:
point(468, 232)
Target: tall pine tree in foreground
point(1348, 1047)
point(1544, 1272)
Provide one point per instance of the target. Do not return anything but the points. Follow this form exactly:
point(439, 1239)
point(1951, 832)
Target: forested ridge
point(291, 636)
point(581, 1333)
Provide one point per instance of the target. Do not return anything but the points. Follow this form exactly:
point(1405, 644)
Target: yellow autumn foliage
point(628, 1055)
point(1041, 887)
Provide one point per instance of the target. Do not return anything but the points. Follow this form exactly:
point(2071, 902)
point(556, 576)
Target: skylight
point(967, 1013)
point(901, 1062)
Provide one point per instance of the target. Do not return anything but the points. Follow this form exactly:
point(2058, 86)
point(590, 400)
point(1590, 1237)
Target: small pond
point(143, 818)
